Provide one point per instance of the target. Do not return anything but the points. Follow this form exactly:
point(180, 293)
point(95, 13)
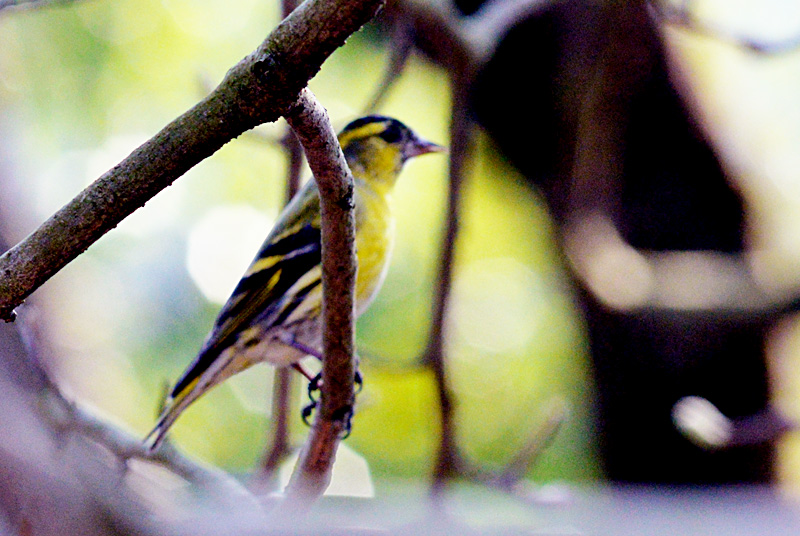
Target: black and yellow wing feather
point(291, 250)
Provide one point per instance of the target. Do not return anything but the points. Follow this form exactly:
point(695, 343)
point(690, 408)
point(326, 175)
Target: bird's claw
point(308, 409)
point(347, 416)
point(358, 381)
point(313, 386)
point(347, 422)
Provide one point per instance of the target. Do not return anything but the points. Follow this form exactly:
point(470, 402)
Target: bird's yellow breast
point(374, 240)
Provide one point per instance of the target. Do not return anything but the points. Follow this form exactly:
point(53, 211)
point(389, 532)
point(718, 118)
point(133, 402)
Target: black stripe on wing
point(259, 299)
point(298, 253)
point(297, 299)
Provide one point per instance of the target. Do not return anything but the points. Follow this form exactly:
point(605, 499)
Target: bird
point(274, 313)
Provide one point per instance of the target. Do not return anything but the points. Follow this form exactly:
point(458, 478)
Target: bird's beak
point(418, 146)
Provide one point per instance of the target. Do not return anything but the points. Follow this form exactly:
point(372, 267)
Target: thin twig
point(704, 424)
point(400, 44)
point(295, 152)
point(279, 444)
point(462, 45)
point(541, 437)
point(461, 131)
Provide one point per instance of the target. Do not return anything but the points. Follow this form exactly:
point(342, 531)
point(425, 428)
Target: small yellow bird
point(273, 314)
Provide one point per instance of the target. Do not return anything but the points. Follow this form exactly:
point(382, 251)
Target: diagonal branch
point(260, 88)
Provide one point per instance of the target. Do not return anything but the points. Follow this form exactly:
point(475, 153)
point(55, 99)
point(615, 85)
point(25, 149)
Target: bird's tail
point(201, 376)
point(174, 406)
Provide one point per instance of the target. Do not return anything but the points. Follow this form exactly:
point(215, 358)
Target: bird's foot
point(313, 386)
point(358, 381)
point(346, 417)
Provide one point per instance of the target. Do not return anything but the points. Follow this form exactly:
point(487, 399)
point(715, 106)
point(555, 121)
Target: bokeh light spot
point(495, 306)
point(221, 246)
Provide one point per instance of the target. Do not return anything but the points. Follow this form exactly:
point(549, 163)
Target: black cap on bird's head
point(390, 131)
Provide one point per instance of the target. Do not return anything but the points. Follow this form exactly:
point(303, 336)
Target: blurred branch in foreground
point(66, 471)
point(704, 424)
point(681, 13)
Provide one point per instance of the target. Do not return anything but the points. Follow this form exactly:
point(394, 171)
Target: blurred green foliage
point(81, 86)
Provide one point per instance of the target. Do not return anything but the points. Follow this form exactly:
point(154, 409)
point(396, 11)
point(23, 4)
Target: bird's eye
point(392, 134)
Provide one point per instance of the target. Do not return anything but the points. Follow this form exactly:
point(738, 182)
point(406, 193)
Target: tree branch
point(449, 462)
point(447, 36)
point(67, 417)
point(260, 88)
point(310, 122)
point(462, 45)
point(681, 15)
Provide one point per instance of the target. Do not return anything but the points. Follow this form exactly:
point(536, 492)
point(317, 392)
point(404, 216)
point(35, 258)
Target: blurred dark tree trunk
point(666, 191)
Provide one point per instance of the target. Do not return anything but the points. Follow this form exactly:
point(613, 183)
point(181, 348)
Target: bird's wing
point(289, 253)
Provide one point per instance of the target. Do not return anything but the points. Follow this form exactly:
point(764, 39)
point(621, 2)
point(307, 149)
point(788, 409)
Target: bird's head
point(376, 147)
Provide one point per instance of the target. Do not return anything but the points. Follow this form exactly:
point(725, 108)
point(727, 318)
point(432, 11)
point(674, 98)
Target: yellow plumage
point(273, 314)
